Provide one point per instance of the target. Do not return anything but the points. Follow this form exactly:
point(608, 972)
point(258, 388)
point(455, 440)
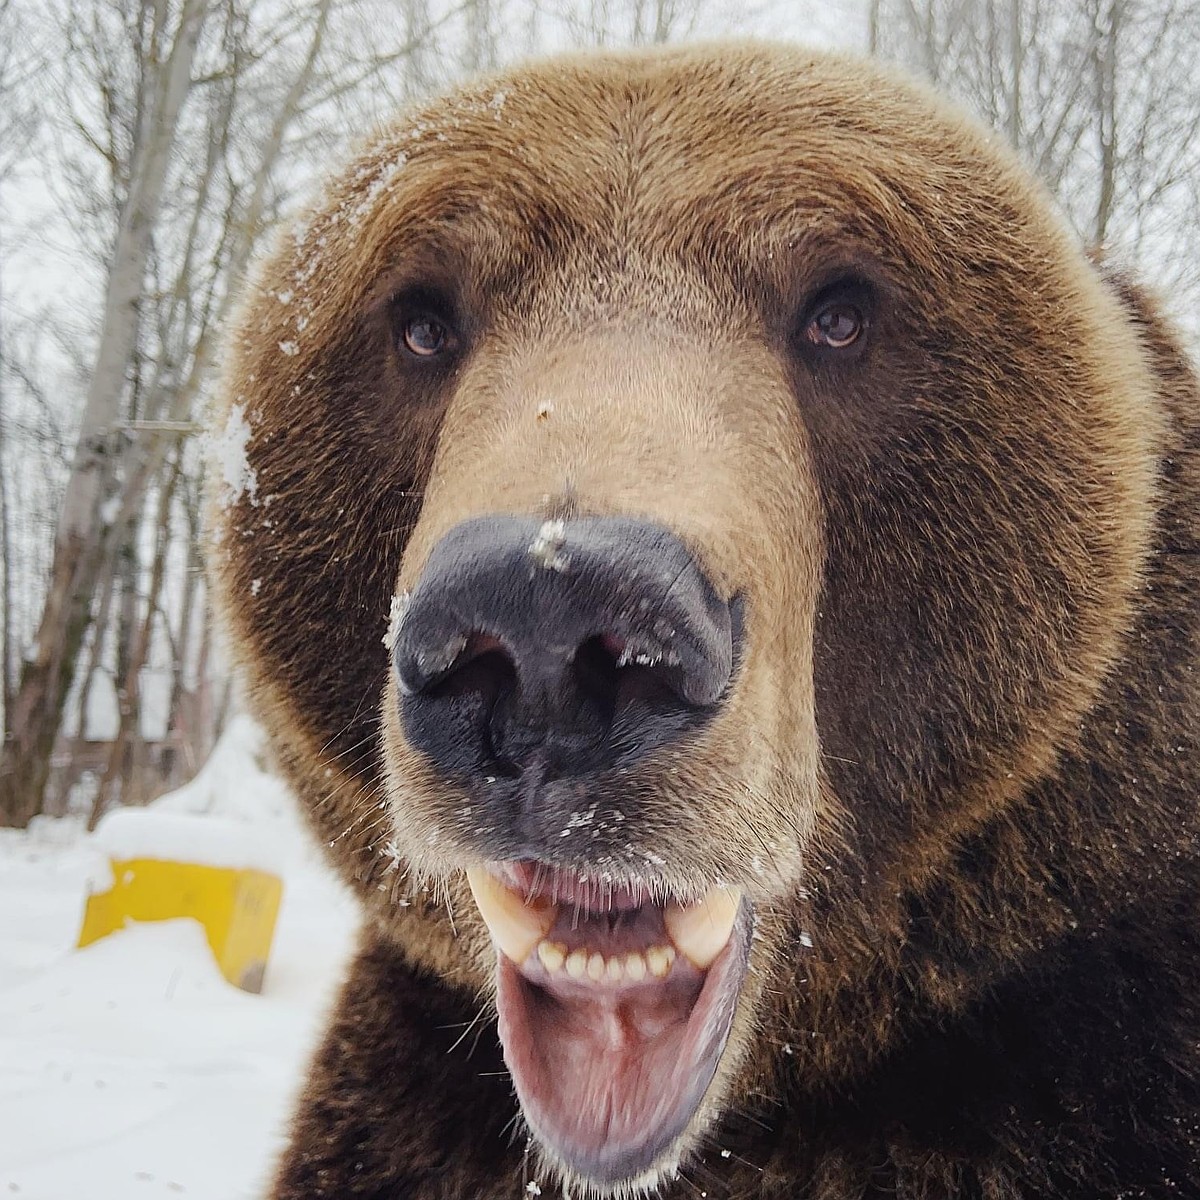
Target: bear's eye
point(424, 336)
point(836, 325)
point(423, 325)
point(836, 320)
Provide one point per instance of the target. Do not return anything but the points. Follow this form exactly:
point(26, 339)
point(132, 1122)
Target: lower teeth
point(617, 968)
point(519, 926)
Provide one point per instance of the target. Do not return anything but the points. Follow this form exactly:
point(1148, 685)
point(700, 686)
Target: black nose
point(558, 647)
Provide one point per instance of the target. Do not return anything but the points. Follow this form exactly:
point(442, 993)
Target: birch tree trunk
point(48, 669)
point(6, 587)
point(127, 741)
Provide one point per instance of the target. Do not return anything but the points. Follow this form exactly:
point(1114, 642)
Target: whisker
point(479, 1016)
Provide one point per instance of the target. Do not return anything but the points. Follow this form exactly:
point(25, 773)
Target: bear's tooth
point(659, 960)
point(552, 955)
point(614, 969)
point(516, 926)
point(635, 967)
point(701, 931)
point(576, 965)
point(595, 967)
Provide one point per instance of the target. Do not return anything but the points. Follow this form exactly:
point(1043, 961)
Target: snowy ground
point(131, 1069)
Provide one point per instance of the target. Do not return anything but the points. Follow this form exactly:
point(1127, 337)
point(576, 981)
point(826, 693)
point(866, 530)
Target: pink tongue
point(607, 1078)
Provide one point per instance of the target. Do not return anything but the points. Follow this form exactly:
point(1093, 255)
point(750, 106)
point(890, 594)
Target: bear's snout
point(559, 647)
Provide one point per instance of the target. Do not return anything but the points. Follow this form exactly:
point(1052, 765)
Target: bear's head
point(756, 478)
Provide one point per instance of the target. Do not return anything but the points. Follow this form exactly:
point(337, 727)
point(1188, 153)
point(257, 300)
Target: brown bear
point(718, 564)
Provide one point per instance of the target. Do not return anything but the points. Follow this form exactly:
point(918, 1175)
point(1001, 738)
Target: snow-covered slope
point(131, 1069)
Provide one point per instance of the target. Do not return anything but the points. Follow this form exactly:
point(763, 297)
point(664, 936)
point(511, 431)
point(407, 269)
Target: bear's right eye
point(422, 326)
point(425, 336)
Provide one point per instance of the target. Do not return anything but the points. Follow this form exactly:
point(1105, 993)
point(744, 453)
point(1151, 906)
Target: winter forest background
point(148, 146)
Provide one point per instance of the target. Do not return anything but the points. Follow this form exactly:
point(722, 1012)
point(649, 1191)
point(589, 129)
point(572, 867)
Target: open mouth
point(614, 1009)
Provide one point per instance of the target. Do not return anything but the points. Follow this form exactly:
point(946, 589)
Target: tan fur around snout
point(667, 421)
point(962, 550)
point(673, 421)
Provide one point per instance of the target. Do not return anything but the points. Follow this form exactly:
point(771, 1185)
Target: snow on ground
point(131, 1069)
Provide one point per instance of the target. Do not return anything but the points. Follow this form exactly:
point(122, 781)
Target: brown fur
point(953, 771)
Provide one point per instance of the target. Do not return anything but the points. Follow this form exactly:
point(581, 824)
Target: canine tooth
point(614, 970)
point(595, 967)
point(516, 927)
point(576, 965)
point(552, 955)
point(700, 931)
point(659, 960)
point(635, 967)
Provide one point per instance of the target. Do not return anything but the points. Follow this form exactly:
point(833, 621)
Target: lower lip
point(587, 1099)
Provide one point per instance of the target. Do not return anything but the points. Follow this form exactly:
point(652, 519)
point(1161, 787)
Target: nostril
point(483, 667)
point(450, 695)
point(618, 672)
point(596, 672)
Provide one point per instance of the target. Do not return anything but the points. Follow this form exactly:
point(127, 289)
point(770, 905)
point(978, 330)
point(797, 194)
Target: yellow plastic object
point(237, 908)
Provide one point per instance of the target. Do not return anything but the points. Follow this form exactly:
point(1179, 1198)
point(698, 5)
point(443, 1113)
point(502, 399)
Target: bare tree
point(194, 110)
point(632, 22)
point(1101, 97)
point(19, 62)
point(169, 42)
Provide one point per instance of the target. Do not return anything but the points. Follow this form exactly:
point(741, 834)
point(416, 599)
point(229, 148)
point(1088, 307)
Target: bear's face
point(693, 413)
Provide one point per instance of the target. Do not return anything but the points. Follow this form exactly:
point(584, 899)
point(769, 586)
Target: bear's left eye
point(836, 320)
point(836, 325)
